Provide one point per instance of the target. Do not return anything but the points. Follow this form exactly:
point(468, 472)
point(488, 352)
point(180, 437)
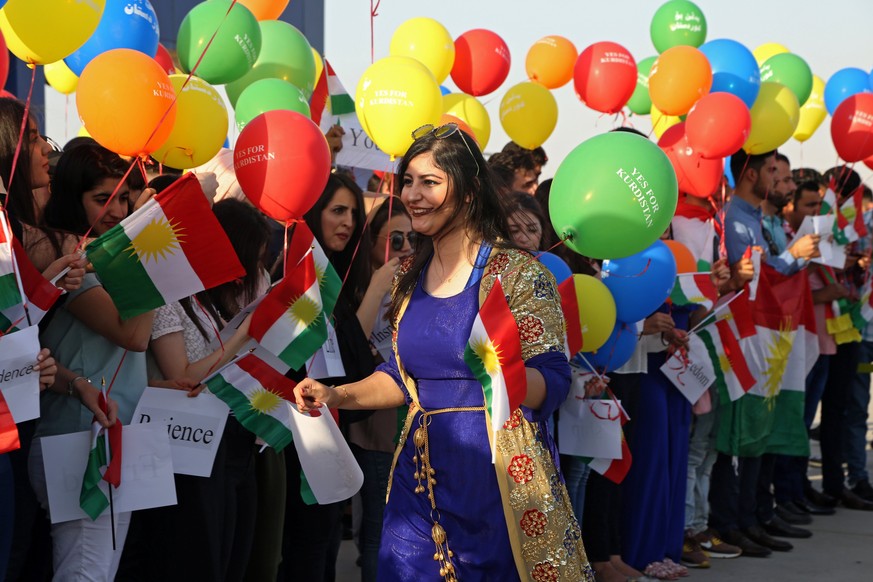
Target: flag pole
point(108, 453)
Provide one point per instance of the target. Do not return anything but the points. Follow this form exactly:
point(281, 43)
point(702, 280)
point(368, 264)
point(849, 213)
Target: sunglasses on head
point(443, 131)
point(396, 239)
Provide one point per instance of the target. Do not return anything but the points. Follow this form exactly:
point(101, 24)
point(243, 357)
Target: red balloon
point(718, 125)
point(852, 127)
point(4, 61)
point(696, 175)
point(165, 60)
point(869, 162)
point(481, 62)
point(605, 76)
point(282, 163)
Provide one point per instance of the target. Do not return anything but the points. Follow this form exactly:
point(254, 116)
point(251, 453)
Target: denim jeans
point(855, 427)
point(815, 385)
point(701, 458)
point(376, 466)
point(575, 472)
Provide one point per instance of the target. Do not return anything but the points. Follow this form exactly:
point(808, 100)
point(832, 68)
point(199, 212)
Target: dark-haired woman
point(451, 512)
point(313, 532)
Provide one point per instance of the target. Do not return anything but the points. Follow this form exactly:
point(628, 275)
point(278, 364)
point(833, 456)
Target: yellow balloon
point(661, 122)
point(775, 114)
point(396, 96)
point(528, 114)
point(319, 66)
point(813, 112)
point(469, 110)
point(48, 30)
point(427, 41)
point(83, 132)
point(596, 311)
point(200, 128)
point(767, 50)
point(61, 78)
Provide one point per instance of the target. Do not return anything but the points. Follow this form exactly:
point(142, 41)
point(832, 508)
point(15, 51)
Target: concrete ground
point(840, 550)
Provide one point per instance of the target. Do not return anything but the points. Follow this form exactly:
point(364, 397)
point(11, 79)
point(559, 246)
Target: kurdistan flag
point(259, 396)
point(732, 373)
point(613, 469)
point(494, 355)
point(570, 307)
point(17, 275)
point(828, 205)
point(694, 289)
point(787, 341)
point(171, 248)
point(105, 452)
point(291, 321)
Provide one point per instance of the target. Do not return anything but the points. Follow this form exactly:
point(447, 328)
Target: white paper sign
point(584, 426)
point(326, 460)
point(18, 380)
point(358, 149)
point(756, 265)
point(326, 362)
point(692, 374)
point(146, 471)
point(194, 426)
point(832, 254)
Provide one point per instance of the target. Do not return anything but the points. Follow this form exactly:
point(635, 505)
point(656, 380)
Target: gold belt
point(425, 475)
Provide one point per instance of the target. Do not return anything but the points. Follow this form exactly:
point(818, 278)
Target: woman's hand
point(312, 394)
point(73, 278)
point(720, 273)
point(595, 386)
point(146, 195)
point(658, 323)
point(383, 277)
point(47, 368)
point(89, 395)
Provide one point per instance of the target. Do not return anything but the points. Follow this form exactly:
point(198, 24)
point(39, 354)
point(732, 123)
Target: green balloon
point(678, 22)
point(640, 102)
point(268, 95)
point(285, 54)
point(613, 196)
point(235, 48)
point(790, 70)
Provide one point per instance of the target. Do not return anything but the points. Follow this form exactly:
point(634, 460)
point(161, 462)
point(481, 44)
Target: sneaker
point(693, 555)
point(747, 546)
point(863, 490)
point(715, 546)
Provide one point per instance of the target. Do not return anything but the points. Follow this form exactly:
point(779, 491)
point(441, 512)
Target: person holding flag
point(465, 358)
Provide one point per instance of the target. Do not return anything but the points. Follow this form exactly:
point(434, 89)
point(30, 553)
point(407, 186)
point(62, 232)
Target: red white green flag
point(828, 205)
point(104, 466)
point(570, 306)
point(8, 430)
point(613, 469)
point(171, 248)
point(694, 289)
point(330, 95)
point(25, 295)
point(259, 396)
point(729, 363)
point(291, 321)
point(493, 353)
point(853, 211)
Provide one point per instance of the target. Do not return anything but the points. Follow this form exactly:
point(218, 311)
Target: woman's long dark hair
point(249, 234)
point(19, 199)
point(352, 259)
point(79, 170)
point(468, 175)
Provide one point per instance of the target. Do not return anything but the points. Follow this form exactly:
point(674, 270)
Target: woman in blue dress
point(452, 513)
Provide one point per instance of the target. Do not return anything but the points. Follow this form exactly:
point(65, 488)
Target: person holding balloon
point(448, 189)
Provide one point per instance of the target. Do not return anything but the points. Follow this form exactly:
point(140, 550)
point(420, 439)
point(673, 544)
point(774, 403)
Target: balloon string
point(374, 7)
point(115, 373)
point(106, 205)
point(640, 274)
point(215, 331)
point(388, 238)
point(24, 122)
point(66, 118)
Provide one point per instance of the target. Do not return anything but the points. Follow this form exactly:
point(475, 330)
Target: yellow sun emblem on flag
point(158, 238)
point(304, 310)
point(697, 299)
point(320, 273)
point(264, 401)
point(725, 363)
point(488, 354)
point(777, 358)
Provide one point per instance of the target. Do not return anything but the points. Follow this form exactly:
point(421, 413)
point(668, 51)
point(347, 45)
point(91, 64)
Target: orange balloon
point(462, 125)
point(685, 262)
point(680, 76)
point(126, 102)
point(550, 61)
point(265, 9)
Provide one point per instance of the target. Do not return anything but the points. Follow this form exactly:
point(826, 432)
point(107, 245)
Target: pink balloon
point(718, 125)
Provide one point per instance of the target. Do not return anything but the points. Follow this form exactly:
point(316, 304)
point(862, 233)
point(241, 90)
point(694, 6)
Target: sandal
point(678, 570)
point(661, 571)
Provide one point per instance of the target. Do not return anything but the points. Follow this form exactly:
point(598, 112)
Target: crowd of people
point(439, 499)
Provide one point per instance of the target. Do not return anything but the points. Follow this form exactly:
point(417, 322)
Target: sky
point(828, 35)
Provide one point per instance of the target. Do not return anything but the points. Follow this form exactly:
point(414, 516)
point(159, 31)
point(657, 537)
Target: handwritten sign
point(589, 427)
point(18, 380)
point(146, 472)
point(194, 426)
point(692, 373)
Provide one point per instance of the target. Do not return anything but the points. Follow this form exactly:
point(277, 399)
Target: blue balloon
point(640, 283)
point(734, 69)
point(728, 174)
point(556, 265)
point(226, 144)
point(444, 90)
point(613, 354)
point(845, 83)
point(130, 24)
